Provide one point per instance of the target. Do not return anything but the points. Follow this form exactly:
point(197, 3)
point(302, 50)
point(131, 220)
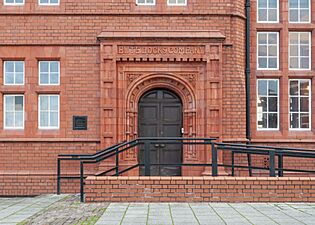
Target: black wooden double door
point(160, 115)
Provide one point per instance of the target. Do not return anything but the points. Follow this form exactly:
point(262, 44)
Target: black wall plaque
point(79, 122)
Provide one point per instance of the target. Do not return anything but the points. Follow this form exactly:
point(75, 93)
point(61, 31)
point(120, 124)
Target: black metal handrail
point(115, 150)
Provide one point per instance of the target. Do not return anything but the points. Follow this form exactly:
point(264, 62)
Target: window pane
point(44, 1)
point(305, 120)
point(262, 3)
point(304, 104)
point(262, 120)
point(304, 63)
point(294, 104)
point(9, 103)
point(262, 63)
point(262, 38)
point(18, 103)
point(19, 119)
point(9, 119)
point(273, 64)
point(304, 3)
point(305, 87)
point(54, 103)
point(273, 104)
point(19, 67)
point(272, 15)
point(273, 51)
point(294, 87)
point(262, 87)
point(19, 78)
point(293, 3)
point(44, 66)
point(273, 87)
point(273, 4)
point(44, 119)
point(54, 119)
point(294, 62)
point(273, 120)
point(304, 50)
point(262, 51)
point(54, 78)
point(9, 78)
point(262, 15)
point(43, 103)
point(262, 104)
point(273, 38)
point(54, 66)
point(294, 38)
point(54, 1)
point(294, 50)
point(9, 67)
point(294, 122)
point(304, 38)
point(304, 15)
point(44, 78)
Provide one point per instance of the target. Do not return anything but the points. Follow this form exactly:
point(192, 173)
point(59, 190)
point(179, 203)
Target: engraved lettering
point(181, 50)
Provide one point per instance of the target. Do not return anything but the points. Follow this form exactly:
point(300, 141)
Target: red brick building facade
point(99, 58)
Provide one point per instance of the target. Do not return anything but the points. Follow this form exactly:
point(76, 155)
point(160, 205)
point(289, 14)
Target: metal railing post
point(147, 162)
point(233, 163)
point(81, 182)
point(117, 163)
point(280, 165)
point(249, 162)
point(214, 160)
point(58, 176)
point(272, 167)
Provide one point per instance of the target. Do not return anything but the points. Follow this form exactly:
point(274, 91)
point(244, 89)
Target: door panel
point(160, 115)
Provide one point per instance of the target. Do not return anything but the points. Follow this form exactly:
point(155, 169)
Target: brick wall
point(26, 185)
point(199, 189)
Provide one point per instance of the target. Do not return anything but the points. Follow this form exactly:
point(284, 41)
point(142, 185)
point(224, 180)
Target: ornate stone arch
point(173, 82)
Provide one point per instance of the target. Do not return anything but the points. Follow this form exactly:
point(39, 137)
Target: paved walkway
point(67, 209)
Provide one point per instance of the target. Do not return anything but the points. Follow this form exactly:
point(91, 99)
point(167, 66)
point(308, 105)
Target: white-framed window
point(267, 104)
point(13, 2)
point(299, 11)
point(300, 104)
point(267, 50)
point(13, 106)
point(145, 2)
point(48, 2)
point(13, 72)
point(268, 11)
point(49, 72)
point(299, 50)
point(48, 111)
point(176, 2)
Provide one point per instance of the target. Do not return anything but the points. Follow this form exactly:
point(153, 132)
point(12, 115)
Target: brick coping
point(208, 178)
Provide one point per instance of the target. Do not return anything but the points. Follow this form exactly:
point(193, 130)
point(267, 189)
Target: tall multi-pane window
point(13, 111)
point(48, 2)
point(267, 104)
point(13, 2)
point(177, 2)
point(48, 111)
point(145, 2)
point(268, 50)
point(268, 11)
point(299, 11)
point(49, 72)
point(13, 72)
point(300, 104)
point(300, 50)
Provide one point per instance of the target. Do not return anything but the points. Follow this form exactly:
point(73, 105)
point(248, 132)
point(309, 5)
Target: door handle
point(162, 145)
point(156, 145)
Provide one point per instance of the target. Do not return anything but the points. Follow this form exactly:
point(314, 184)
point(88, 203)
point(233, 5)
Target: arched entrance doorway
point(161, 115)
